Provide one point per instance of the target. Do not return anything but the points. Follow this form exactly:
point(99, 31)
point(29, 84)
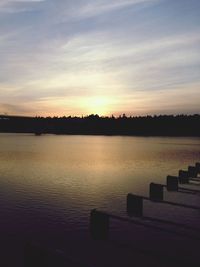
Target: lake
point(50, 183)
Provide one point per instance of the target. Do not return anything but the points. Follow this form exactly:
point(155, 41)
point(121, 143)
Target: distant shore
point(163, 125)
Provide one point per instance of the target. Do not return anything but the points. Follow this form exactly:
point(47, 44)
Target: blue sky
point(77, 57)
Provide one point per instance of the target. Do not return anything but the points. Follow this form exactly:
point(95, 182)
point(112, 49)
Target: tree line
point(158, 125)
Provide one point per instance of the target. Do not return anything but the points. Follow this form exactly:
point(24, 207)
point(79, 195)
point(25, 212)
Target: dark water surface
point(49, 184)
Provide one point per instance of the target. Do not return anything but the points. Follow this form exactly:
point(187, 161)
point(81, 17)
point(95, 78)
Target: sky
point(81, 57)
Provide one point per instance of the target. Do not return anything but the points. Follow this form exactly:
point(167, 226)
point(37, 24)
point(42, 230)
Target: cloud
point(12, 8)
point(13, 109)
point(58, 55)
point(91, 9)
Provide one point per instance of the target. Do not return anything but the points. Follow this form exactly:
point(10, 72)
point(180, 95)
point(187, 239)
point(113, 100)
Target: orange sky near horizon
point(61, 58)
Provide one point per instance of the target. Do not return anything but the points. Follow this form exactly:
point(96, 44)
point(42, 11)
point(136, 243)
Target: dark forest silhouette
point(162, 125)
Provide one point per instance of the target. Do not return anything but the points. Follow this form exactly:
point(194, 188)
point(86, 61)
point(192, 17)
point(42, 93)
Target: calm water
point(49, 184)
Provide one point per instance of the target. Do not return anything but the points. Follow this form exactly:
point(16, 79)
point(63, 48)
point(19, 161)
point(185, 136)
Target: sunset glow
point(108, 57)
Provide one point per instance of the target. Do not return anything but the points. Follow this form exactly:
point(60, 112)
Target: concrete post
point(197, 165)
point(183, 177)
point(134, 205)
point(156, 192)
point(99, 225)
point(172, 183)
point(192, 171)
point(35, 256)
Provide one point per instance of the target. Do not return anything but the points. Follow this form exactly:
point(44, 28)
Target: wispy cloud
point(91, 9)
point(72, 56)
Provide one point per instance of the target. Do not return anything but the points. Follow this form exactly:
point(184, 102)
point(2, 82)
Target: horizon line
point(123, 115)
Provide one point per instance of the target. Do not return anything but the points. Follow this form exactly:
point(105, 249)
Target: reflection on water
point(48, 184)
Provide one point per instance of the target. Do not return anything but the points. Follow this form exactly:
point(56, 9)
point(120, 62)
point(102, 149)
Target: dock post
point(192, 171)
point(183, 177)
point(197, 165)
point(172, 183)
point(35, 256)
point(134, 205)
point(156, 192)
point(99, 225)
